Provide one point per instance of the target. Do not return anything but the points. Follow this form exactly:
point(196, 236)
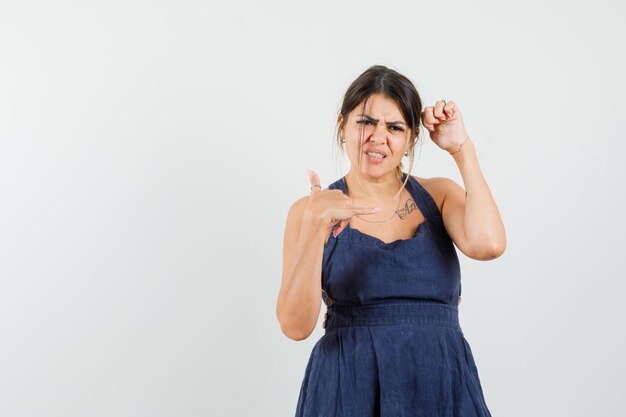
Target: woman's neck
point(381, 188)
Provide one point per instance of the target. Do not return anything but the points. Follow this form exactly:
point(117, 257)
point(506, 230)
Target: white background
point(150, 150)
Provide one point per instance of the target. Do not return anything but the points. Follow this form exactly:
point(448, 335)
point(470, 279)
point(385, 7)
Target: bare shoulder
point(294, 221)
point(297, 209)
point(437, 187)
point(292, 226)
point(300, 203)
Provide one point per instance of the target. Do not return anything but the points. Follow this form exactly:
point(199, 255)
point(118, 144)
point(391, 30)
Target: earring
point(406, 154)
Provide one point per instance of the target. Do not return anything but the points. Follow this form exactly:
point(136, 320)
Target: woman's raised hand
point(445, 124)
point(332, 206)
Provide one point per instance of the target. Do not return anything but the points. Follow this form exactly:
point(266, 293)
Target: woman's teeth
point(376, 155)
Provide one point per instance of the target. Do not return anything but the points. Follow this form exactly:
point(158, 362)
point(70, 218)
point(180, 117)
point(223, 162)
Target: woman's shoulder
point(295, 215)
point(434, 182)
point(436, 187)
point(297, 207)
point(294, 218)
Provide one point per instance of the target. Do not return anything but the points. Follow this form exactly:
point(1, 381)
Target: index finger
point(315, 181)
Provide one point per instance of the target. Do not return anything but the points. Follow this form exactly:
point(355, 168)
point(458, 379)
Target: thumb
point(315, 181)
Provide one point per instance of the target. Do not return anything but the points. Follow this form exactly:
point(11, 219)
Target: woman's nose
point(379, 133)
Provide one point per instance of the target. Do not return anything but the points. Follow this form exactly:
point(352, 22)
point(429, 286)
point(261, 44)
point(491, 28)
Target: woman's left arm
point(471, 216)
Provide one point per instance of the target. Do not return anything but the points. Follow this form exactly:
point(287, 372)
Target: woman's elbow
point(296, 333)
point(293, 329)
point(492, 251)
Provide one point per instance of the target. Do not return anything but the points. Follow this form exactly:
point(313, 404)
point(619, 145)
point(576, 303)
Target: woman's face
point(384, 131)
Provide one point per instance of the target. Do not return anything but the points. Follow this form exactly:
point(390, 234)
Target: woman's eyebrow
point(368, 117)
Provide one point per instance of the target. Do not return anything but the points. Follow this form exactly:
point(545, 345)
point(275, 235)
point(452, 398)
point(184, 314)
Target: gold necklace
point(376, 221)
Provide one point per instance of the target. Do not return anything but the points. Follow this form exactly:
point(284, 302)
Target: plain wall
point(149, 152)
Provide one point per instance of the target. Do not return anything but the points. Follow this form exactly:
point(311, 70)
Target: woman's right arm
point(308, 226)
point(299, 300)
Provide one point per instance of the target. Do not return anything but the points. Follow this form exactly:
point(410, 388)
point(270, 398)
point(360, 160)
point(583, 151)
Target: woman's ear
point(340, 124)
point(412, 142)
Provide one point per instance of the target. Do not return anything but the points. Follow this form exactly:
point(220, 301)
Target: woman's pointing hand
point(332, 206)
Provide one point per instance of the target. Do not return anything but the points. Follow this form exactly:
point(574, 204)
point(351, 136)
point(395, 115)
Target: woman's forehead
point(379, 105)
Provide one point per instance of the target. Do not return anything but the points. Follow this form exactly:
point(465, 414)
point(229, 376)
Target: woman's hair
point(379, 79)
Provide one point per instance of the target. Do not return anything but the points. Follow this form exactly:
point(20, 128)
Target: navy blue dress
point(393, 346)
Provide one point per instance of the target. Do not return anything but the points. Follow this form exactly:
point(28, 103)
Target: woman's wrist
point(452, 150)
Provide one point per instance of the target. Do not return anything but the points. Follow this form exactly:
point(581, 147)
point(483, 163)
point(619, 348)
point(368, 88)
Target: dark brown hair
point(379, 79)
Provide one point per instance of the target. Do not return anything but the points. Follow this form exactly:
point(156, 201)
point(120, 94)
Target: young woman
point(378, 245)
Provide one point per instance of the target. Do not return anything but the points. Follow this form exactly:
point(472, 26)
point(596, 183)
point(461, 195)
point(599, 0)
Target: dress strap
point(338, 185)
point(423, 199)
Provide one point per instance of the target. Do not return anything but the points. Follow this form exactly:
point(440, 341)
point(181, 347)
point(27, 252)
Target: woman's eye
point(369, 122)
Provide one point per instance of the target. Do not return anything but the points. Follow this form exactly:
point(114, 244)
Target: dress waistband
point(417, 312)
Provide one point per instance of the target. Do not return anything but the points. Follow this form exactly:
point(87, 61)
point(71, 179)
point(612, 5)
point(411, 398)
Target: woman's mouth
point(375, 157)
